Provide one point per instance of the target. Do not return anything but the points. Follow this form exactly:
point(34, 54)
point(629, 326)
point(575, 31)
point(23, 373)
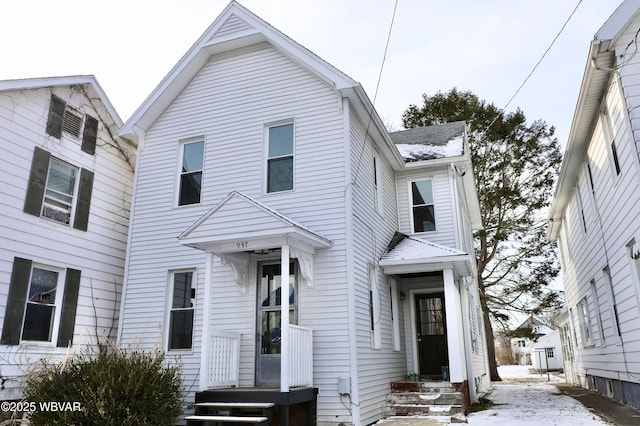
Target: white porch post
point(455, 330)
point(206, 308)
point(284, 319)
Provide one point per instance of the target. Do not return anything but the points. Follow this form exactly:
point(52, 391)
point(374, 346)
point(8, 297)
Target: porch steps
point(208, 413)
point(418, 398)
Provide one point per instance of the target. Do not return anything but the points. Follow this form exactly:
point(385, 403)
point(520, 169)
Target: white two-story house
point(263, 167)
point(64, 204)
point(595, 217)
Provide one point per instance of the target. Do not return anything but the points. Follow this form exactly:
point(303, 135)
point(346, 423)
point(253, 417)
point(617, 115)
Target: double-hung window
point(422, 207)
point(183, 295)
point(191, 173)
point(59, 191)
point(41, 304)
point(280, 158)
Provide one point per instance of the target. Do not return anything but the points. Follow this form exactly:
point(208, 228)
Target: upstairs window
point(585, 322)
point(59, 191)
point(610, 136)
point(280, 158)
point(191, 173)
point(183, 295)
point(64, 119)
point(422, 208)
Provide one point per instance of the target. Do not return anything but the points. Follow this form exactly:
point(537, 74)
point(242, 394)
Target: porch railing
point(223, 360)
point(300, 356)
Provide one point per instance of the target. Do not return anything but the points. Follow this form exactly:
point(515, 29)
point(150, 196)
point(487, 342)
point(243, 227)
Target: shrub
point(113, 387)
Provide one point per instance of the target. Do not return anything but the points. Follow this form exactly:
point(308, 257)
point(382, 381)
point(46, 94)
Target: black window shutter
point(56, 116)
point(90, 135)
point(16, 301)
point(69, 305)
point(37, 182)
point(81, 220)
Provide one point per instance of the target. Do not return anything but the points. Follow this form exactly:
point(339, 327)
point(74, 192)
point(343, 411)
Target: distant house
point(594, 215)
point(521, 347)
point(546, 352)
point(66, 189)
point(263, 167)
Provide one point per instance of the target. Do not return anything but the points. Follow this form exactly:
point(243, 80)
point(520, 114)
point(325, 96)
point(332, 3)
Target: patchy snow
point(525, 399)
point(417, 152)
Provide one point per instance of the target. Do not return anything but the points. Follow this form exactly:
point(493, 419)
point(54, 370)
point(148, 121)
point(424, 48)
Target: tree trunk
point(491, 347)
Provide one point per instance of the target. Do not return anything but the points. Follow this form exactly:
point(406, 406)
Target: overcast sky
point(486, 46)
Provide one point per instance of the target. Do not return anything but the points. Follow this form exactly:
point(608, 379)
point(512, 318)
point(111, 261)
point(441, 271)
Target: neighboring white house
point(522, 347)
point(595, 218)
point(261, 166)
point(546, 352)
point(64, 205)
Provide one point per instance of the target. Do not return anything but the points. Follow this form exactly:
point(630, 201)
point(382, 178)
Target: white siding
point(611, 224)
point(229, 103)
point(444, 205)
point(98, 253)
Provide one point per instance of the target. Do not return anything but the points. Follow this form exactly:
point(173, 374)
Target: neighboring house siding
point(610, 215)
point(98, 253)
point(229, 103)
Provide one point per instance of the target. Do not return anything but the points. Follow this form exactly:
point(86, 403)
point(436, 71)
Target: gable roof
point(431, 142)
point(594, 84)
point(239, 218)
point(237, 27)
point(73, 80)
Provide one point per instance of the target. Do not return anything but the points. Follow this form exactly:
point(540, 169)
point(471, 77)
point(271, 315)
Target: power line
point(535, 66)
point(375, 95)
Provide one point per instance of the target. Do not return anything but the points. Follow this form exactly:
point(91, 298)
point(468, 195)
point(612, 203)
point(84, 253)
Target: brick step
point(431, 398)
point(420, 410)
point(413, 386)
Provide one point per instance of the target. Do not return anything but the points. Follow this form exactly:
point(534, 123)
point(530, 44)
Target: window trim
point(584, 318)
point(74, 194)
point(169, 306)
point(374, 308)
point(412, 206)
point(610, 141)
point(378, 193)
point(180, 157)
point(267, 158)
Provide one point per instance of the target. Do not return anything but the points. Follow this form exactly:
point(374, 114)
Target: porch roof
point(407, 255)
point(240, 224)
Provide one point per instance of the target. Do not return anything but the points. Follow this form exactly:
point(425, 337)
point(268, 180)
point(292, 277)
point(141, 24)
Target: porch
point(222, 397)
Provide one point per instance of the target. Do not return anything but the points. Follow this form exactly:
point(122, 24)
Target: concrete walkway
point(607, 408)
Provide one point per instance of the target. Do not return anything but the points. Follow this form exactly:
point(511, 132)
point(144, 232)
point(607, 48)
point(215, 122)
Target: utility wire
point(375, 95)
point(501, 111)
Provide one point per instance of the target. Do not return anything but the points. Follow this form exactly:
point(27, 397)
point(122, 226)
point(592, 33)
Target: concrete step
point(432, 398)
point(420, 410)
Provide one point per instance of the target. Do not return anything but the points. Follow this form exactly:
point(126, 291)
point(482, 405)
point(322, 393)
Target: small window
point(614, 154)
point(183, 294)
point(374, 309)
point(191, 173)
point(377, 187)
point(280, 158)
point(610, 136)
point(422, 206)
point(59, 192)
point(549, 352)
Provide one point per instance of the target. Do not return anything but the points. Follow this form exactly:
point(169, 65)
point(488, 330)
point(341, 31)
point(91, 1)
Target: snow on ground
point(525, 399)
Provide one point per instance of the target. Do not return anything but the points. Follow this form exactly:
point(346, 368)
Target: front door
point(432, 336)
point(268, 329)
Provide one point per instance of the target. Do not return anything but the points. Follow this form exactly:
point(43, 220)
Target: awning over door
point(239, 225)
point(408, 255)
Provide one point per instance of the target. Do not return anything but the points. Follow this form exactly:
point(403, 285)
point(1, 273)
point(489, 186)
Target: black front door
point(432, 335)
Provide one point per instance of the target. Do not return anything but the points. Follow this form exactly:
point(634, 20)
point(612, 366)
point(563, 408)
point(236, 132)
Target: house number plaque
point(242, 245)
